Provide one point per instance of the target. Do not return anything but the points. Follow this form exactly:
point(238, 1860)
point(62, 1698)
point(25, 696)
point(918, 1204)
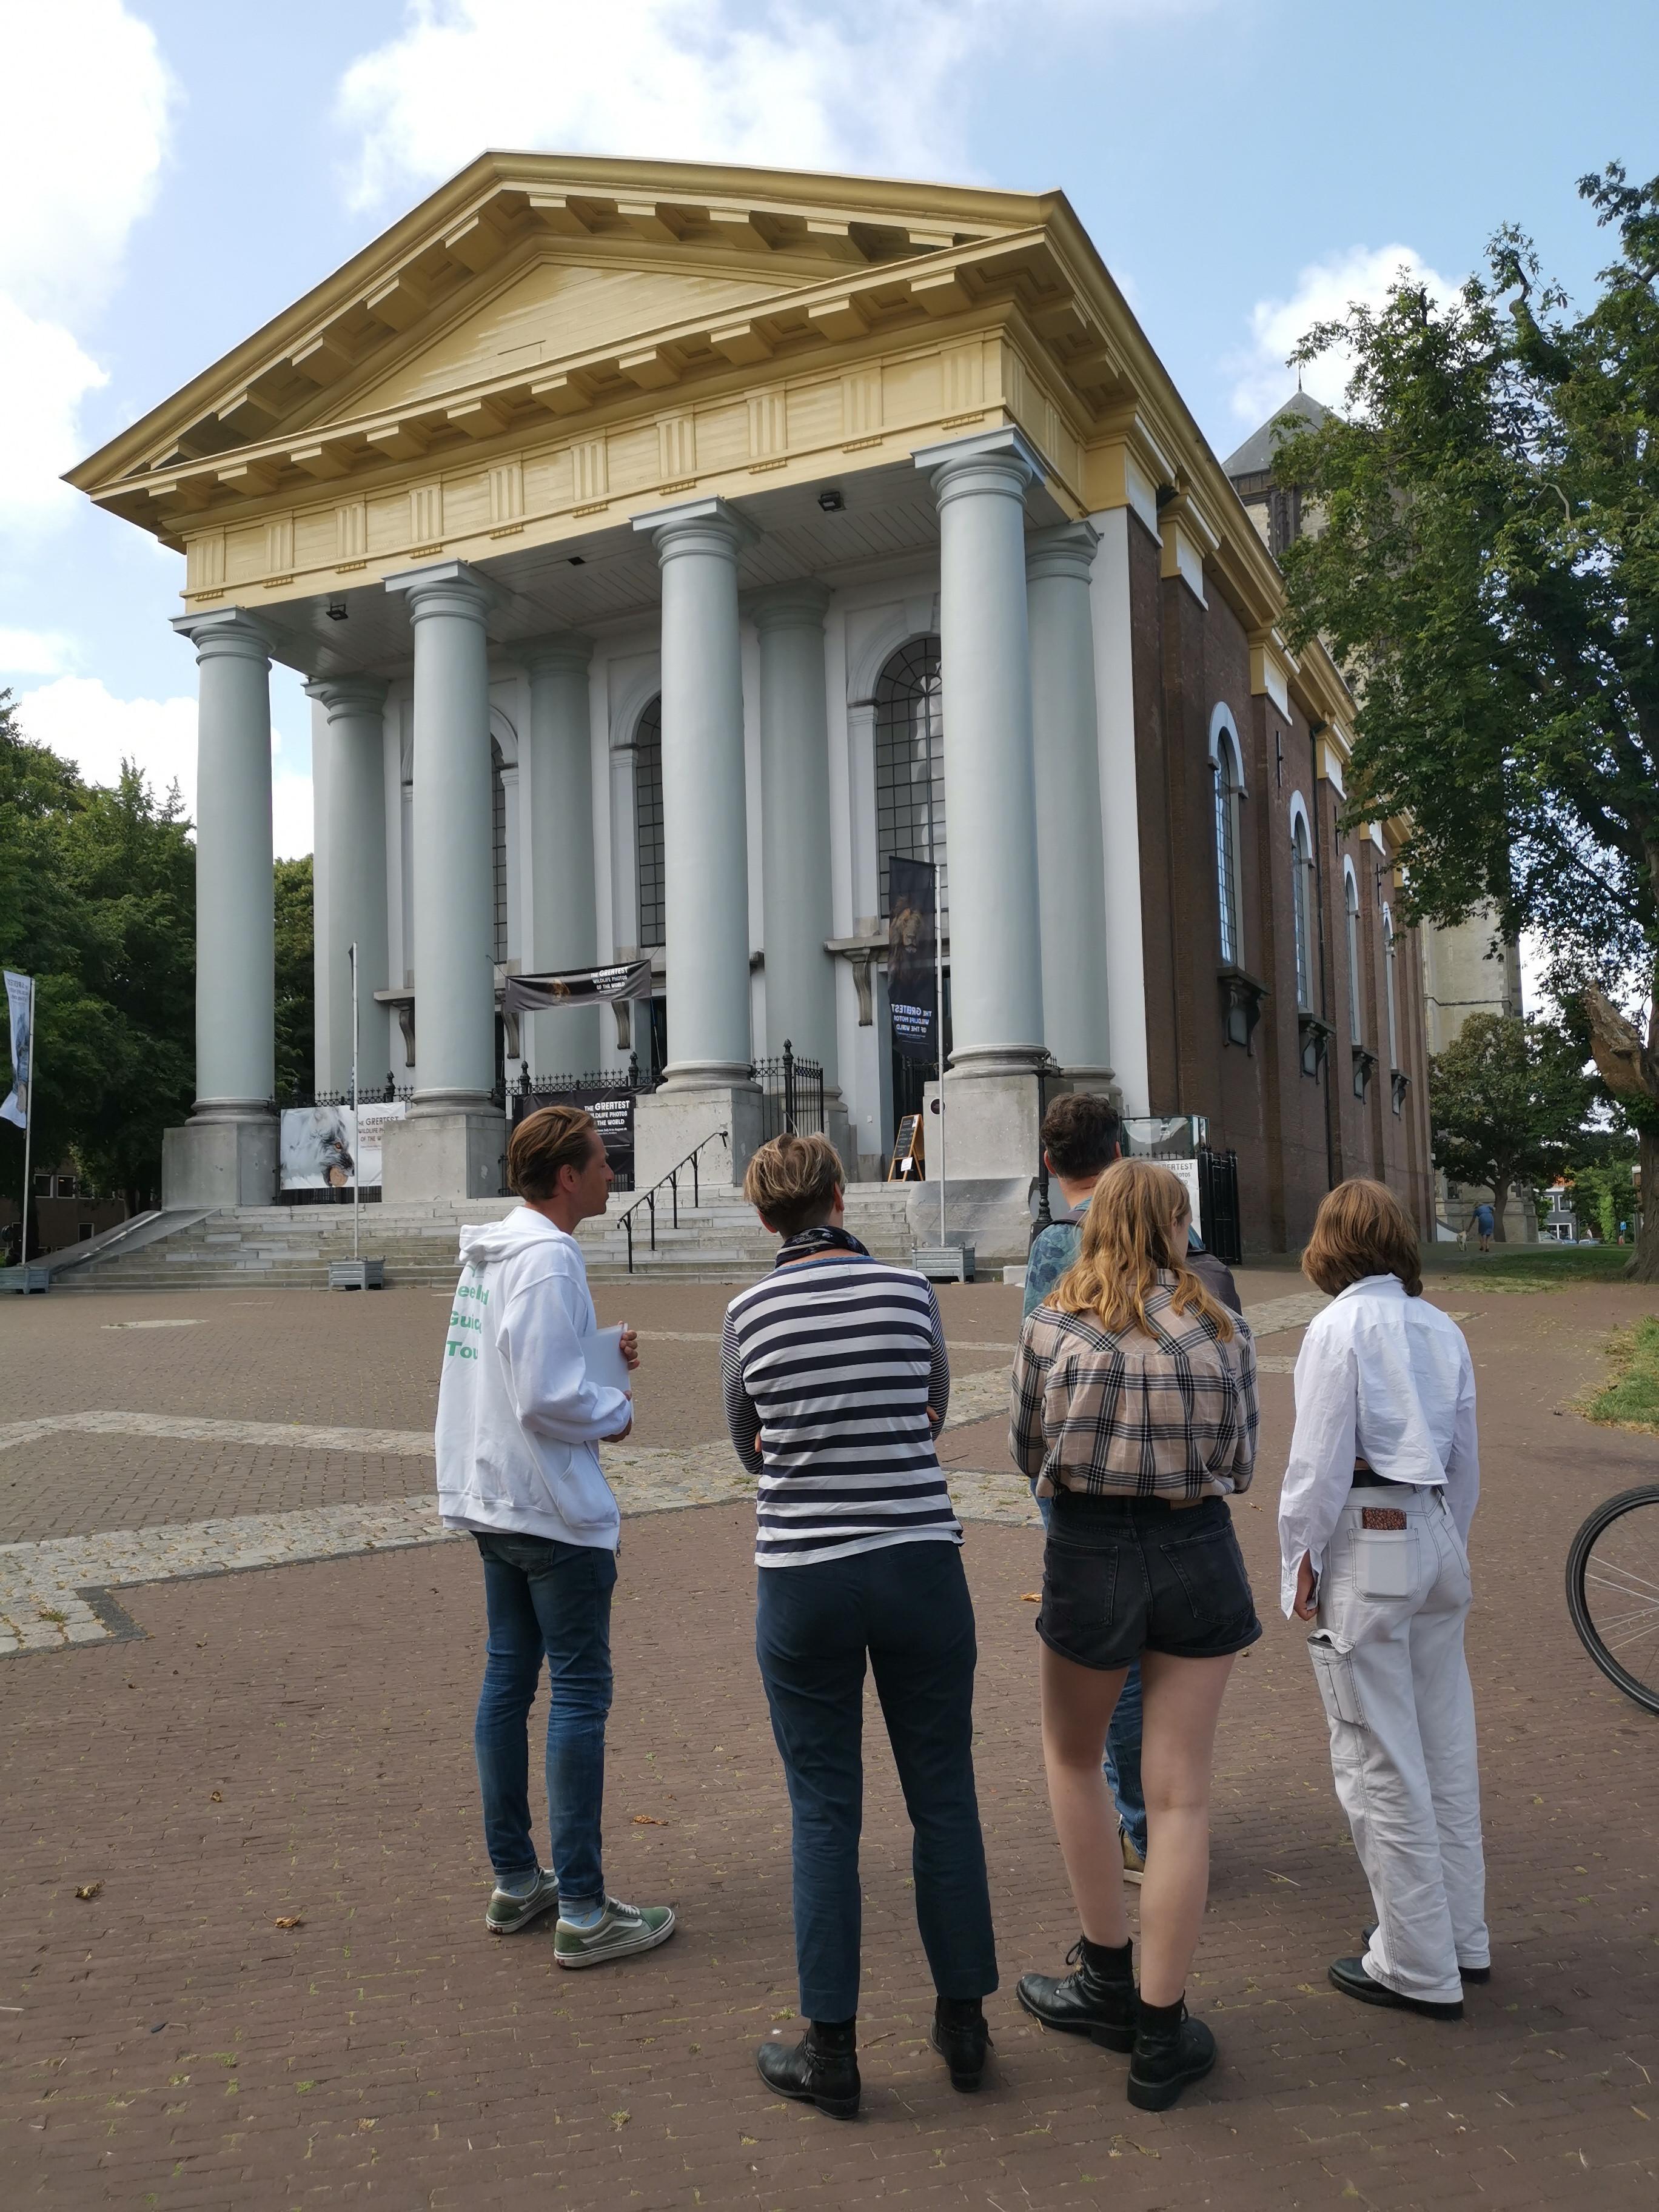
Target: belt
point(1367, 1478)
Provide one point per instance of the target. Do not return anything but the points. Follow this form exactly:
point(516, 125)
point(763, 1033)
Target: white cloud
point(36, 652)
point(88, 103)
point(82, 721)
point(1324, 290)
point(865, 84)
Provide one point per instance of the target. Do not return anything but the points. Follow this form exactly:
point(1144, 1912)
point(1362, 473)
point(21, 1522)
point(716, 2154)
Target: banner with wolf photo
point(911, 952)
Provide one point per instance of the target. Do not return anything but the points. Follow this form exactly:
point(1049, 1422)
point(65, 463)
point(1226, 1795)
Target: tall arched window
point(648, 822)
point(1351, 902)
point(1229, 789)
point(498, 846)
point(1387, 970)
point(910, 762)
point(1302, 907)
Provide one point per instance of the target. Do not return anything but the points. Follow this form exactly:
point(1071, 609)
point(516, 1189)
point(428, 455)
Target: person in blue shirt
point(1081, 1138)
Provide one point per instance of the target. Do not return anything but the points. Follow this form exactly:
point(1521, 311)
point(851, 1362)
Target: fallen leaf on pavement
point(1030, 1597)
point(217, 1797)
point(649, 1821)
point(88, 1892)
point(293, 1920)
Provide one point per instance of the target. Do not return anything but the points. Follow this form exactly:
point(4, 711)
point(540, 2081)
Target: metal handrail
point(648, 1197)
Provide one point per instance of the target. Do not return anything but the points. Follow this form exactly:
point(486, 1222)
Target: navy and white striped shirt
point(830, 1366)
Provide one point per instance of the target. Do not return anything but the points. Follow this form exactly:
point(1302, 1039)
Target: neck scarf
point(807, 1243)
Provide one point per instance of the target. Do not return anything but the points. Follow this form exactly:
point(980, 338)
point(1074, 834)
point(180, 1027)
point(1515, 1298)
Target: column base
point(1100, 1080)
point(668, 1122)
point(221, 1163)
point(991, 1124)
point(458, 1154)
point(838, 1128)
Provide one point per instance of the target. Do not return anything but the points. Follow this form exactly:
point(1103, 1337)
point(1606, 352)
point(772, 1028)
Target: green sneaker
point(619, 1929)
point(507, 1913)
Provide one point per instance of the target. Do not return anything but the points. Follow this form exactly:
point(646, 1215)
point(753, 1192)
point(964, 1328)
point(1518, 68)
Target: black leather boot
point(961, 2038)
point(821, 2069)
point(1170, 2051)
point(1097, 2001)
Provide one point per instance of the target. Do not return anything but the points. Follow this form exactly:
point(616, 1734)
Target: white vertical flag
point(19, 996)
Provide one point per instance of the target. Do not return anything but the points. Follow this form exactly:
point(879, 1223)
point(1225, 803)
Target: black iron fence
point(1218, 1203)
point(792, 1095)
point(607, 1093)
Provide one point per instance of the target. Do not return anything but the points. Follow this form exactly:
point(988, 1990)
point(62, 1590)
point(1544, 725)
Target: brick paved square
point(295, 1743)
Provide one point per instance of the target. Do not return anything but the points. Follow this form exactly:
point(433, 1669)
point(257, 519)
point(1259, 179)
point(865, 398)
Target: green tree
point(296, 988)
point(1506, 1101)
point(1488, 570)
point(97, 902)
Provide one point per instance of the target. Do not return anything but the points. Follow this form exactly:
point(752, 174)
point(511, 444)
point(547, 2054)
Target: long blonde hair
point(1129, 1234)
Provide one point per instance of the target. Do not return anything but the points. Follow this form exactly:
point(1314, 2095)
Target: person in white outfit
point(1373, 1525)
point(521, 1416)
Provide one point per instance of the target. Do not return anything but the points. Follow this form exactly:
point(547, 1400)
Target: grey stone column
point(705, 854)
point(227, 1153)
point(564, 919)
point(996, 977)
point(451, 1146)
point(1066, 756)
point(348, 777)
point(800, 983)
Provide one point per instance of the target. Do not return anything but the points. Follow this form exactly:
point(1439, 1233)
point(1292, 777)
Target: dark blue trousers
point(907, 1608)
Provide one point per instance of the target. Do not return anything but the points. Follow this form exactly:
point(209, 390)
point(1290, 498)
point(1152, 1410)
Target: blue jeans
point(1123, 1760)
point(546, 1600)
point(907, 1608)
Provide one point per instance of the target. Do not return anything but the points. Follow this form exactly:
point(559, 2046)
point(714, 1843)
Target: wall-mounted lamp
point(832, 500)
point(337, 610)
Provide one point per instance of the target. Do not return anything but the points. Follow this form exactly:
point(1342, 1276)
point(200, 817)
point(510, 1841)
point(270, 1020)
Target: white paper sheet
point(605, 1364)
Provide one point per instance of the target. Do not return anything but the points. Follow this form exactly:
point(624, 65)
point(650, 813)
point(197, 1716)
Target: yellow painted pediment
point(551, 312)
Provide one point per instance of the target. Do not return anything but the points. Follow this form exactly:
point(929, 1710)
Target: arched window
point(910, 762)
point(498, 846)
point(1302, 906)
point(1387, 970)
point(1229, 790)
point(648, 822)
point(1351, 902)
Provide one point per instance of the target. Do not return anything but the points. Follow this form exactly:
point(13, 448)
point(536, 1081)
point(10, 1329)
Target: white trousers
point(1388, 1659)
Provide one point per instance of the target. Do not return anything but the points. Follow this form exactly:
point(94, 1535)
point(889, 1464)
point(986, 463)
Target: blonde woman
point(1134, 1408)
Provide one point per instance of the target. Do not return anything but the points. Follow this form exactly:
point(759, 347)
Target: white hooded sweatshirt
point(518, 1418)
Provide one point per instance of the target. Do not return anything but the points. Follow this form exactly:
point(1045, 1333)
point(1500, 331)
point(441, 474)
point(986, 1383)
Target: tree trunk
point(1500, 1199)
point(1644, 1265)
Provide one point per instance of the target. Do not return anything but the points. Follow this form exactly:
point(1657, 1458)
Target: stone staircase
point(718, 1241)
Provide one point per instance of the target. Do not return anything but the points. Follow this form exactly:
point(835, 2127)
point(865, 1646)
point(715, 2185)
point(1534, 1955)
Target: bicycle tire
point(1596, 1525)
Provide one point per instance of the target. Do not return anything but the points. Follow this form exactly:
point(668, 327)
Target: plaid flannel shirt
point(1171, 1414)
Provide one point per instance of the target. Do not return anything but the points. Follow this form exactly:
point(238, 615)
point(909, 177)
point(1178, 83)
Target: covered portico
point(589, 465)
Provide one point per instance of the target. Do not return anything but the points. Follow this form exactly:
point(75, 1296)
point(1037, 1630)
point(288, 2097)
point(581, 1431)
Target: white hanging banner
point(19, 997)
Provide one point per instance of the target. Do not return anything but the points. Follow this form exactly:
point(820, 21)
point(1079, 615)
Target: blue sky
point(180, 171)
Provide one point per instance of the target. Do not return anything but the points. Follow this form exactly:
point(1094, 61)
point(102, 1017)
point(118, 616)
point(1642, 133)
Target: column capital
point(349, 697)
point(225, 634)
point(697, 526)
point(445, 587)
point(563, 652)
point(799, 605)
point(1067, 549)
point(1002, 461)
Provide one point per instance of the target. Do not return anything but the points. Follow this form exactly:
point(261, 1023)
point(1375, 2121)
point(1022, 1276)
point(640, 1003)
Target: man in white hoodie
point(520, 1418)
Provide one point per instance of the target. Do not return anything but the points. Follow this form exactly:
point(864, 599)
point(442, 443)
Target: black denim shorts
point(1121, 1576)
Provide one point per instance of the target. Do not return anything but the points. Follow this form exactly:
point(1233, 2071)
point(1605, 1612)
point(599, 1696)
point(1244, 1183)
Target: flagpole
point(28, 1128)
point(357, 1136)
point(938, 967)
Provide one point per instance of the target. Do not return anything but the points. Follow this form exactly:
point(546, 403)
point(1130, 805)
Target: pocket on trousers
point(1210, 1569)
point(1079, 1590)
point(1384, 1562)
point(1333, 1666)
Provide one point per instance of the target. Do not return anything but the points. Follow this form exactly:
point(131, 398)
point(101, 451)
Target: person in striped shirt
point(836, 1384)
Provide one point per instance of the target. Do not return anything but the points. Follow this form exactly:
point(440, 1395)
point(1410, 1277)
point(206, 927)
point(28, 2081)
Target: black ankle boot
point(1097, 2001)
point(961, 2038)
point(1170, 2051)
point(821, 2069)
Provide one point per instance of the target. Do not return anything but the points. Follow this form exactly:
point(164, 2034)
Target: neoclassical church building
point(669, 547)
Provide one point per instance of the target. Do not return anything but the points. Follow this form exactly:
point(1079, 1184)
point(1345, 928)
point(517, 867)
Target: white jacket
point(518, 1418)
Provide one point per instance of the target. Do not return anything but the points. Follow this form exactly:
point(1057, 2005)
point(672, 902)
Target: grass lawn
point(1629, 1399)
point(1529, 1267)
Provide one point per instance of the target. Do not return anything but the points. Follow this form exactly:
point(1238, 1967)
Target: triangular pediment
point(550, 313)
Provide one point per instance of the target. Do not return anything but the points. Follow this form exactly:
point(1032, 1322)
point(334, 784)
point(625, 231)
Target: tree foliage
point(296, 1001)
point(1488, 570)
point(1506, 1100)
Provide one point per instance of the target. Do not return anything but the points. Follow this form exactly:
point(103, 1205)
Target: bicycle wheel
point(1613, 1592)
